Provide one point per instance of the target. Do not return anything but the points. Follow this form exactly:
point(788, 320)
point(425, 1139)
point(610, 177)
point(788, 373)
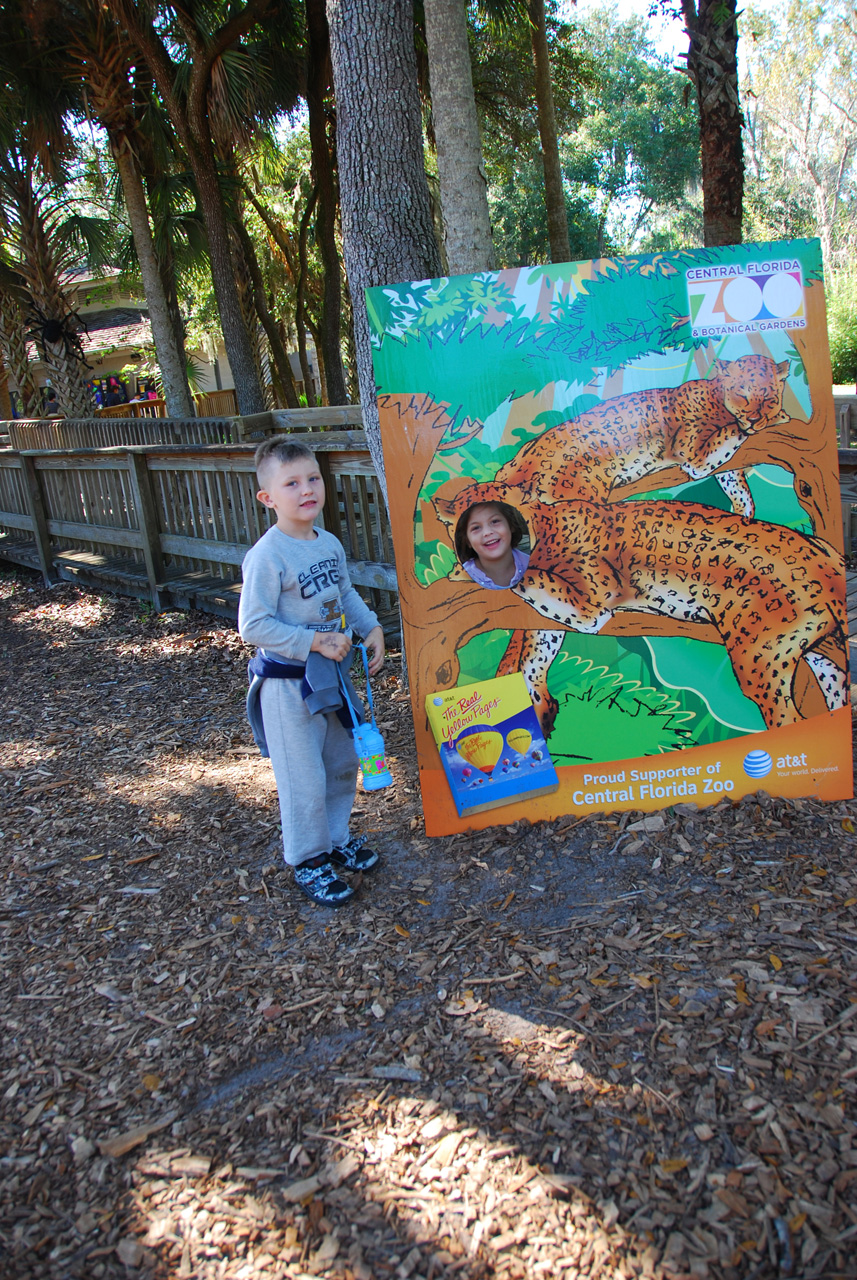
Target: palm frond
point(84, 240)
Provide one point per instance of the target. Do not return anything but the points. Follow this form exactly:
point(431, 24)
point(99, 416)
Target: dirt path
point(590, 1048)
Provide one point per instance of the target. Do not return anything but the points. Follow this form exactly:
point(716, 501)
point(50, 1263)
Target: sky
point(668, 35)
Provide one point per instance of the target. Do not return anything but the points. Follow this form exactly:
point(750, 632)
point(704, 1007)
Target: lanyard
point(362, 649)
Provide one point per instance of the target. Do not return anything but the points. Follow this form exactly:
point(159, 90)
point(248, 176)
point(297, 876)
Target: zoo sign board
point(662, 430)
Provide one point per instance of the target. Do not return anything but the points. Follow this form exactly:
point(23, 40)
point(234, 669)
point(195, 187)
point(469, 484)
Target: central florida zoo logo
point(750, 298)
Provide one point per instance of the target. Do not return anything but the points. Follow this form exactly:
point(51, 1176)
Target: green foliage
point(606, 716)
point(635, 156)
point(799, 91)
point(628, 139)
point(518, 222)
point(433, 560)
point(842, 327)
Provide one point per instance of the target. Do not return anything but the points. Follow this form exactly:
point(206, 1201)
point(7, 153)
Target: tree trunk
point(301, 317)
point(190, 119)
point(239, 349)
point(13, 344)
point(463, 185)
point(5, 399)
point(105, 58)
point(278, 351)
point(386, 215)
point(318, 83)
point(554, 193)
point(61, 357)
point(151, 175)
point(179, 402)
point(712, 64)
point(247, 297)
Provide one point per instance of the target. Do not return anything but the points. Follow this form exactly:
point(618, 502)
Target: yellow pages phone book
point(491, 744)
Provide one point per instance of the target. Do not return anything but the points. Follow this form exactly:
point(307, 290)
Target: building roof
point(119, 329)
point(116, 328)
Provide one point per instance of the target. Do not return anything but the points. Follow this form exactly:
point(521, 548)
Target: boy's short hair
point(277, 450)
point(516, 522)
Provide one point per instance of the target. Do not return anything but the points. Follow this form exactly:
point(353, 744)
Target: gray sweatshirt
point(294, 587)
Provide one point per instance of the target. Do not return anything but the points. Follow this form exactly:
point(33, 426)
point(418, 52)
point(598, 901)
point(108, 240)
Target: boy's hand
point(331, 644)
point(375, 650)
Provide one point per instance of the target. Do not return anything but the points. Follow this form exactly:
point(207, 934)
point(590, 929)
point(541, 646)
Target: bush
point(842, 327)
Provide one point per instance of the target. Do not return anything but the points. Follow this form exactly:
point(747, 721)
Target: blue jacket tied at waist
point(322, 684)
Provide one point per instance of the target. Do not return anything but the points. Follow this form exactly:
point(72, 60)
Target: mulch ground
point(611, 1047)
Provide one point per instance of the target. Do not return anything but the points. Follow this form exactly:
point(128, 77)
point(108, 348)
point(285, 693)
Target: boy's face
point(295, 490)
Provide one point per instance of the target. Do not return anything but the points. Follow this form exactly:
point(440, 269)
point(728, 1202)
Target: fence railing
point(115, 432)
point(172, 523)
point(217, 404)
point(108, 433)
point(846, 420)
point(134, 409)
point(209, 404)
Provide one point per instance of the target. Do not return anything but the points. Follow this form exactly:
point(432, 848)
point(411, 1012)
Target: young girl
point(487, 536)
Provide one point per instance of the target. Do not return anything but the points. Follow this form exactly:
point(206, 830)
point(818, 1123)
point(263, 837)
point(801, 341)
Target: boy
point(297, 600)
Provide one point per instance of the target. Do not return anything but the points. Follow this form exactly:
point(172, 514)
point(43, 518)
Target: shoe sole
point(342, 866)
point(325, 902)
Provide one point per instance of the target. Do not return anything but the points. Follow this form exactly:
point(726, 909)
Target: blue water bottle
point(368, 742)
point(369, 746)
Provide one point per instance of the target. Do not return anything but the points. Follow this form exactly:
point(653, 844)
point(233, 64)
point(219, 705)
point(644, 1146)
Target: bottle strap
point(345, 696)
point(362, 649)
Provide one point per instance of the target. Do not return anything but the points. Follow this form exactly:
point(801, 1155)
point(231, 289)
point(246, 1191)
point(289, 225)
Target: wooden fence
point(209, 404)
point(172, 523)
point(113, 432)
point(109, 433)
point(134, 409)
point(846, 420)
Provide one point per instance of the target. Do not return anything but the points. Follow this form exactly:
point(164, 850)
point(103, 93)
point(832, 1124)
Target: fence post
point(39, 516)
point(147, 519)
point(332, 521)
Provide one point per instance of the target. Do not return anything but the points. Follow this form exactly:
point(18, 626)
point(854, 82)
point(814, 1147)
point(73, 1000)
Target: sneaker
point(319, 881)
point(352, 856)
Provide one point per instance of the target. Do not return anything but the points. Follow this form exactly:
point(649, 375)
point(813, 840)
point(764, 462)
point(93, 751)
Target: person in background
point(52, 404)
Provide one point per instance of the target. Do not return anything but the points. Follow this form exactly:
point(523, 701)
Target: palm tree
point(14, 305)
point(188, 83)
point(48, 241)
point(43, 236)
point(94, 48)
point(322, 125)
point(554, 193)
point(712, 65)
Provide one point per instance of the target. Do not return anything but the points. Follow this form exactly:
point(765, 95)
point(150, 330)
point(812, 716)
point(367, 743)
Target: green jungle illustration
point(578, 394)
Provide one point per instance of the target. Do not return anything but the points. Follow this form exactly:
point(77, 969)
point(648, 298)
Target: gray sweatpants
point(315, 767)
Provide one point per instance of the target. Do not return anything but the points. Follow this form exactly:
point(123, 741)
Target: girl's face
point(489, 534)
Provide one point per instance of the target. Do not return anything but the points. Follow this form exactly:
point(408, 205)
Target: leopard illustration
point(772, 594)
point(697, 426)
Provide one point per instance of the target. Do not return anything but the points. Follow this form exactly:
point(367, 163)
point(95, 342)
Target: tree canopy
point(195, 147)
